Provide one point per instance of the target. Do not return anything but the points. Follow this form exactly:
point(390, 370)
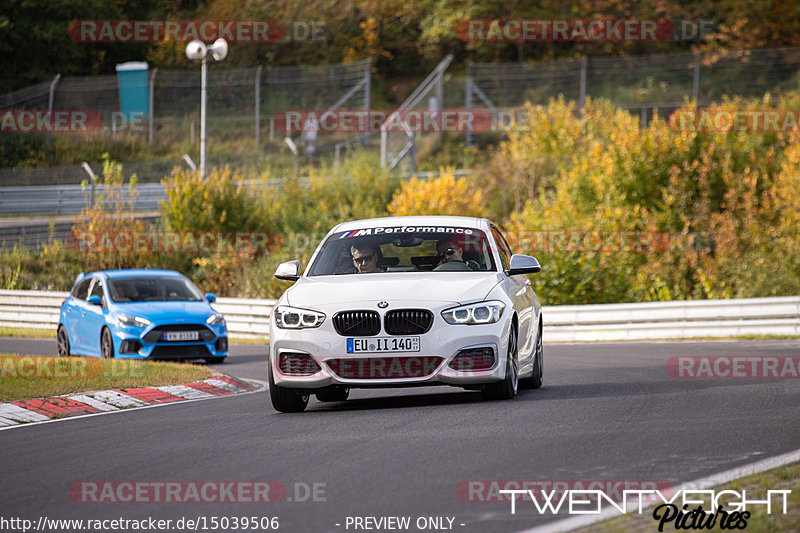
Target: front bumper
point(430, 366)
point(131, 342)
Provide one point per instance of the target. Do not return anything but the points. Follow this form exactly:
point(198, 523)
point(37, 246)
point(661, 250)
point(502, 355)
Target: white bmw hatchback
point(406, 301)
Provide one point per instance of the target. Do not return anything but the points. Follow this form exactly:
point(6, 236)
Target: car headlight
point(481, 313)
point(215, 320)
point(129, 320)
point(293, 318)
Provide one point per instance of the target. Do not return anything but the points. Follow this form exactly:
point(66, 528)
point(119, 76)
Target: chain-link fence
point(642, 84)
point(242, 103)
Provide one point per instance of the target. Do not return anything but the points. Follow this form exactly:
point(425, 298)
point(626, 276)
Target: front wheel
point(507, 388)
point(535, 381)
point(106, 344)
point(283, 399)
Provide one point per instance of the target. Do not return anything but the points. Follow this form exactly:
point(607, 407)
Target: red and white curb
point(89, 403)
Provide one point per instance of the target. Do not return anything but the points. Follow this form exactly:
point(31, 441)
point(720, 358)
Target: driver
point(365, 257)
point(450, 250)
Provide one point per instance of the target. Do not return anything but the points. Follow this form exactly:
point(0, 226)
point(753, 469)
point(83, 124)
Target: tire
point(507, 388)
point(283, 399)
point(333, 394)
point(535, 381)
point(63, 342)
point(106, 344)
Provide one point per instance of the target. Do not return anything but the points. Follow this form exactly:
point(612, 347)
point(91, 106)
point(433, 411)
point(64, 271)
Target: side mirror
point(211, 297)
point(289, 270)
point(94, 300)
point(523, 264)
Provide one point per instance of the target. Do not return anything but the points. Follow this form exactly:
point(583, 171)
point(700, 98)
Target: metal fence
point(641, 84)
point(249, 318)
point(241, 102)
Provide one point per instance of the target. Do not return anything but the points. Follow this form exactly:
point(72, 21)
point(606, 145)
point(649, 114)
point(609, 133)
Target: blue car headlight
point(294, 318)
point(215, 320)
point(128, 320)
point(480, 313)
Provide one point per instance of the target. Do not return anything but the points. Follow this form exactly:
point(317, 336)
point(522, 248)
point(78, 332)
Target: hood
point(192, 312)
point(460, 287)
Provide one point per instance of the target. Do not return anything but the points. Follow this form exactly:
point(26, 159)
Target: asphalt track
point(607, 411)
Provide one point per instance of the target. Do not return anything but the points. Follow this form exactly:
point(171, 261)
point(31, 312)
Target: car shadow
point(571, 391)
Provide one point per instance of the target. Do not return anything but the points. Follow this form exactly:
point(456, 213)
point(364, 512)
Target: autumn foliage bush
point(723, 205)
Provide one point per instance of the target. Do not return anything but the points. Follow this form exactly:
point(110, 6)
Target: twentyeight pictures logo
point(236, 31)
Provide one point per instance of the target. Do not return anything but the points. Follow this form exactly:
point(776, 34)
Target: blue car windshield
point(153, 289)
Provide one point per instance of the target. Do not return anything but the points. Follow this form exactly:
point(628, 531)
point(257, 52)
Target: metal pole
point(368, 97)
point(468, 100)
point(203, 70)
point(584, 64)
point(696, 77)
point(152, 105)
point(258, 106)
point(439, 103)
point(92, 178)
point(50, 102)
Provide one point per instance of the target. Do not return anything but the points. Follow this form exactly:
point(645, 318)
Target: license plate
point(181, 335)
point(383, 344)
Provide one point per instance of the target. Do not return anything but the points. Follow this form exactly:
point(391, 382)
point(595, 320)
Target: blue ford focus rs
point(141, 314)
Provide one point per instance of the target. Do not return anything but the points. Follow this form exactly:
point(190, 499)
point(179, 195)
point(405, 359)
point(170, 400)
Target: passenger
point(450, 250)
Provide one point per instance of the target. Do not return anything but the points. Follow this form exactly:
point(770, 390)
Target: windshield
point(404, 249)
point(153, 289)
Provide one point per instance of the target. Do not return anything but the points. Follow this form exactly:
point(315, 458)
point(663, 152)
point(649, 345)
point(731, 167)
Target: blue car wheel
point(107, 344)
point(63, 342)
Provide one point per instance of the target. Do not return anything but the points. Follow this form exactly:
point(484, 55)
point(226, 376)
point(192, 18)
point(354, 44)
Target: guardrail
point(72, 199)
point(246, 318)
point(249, 318)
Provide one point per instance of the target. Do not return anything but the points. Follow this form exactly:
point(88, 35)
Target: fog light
point(130, 347)
point(297, 364)
point(473, 359)
point(221, 345)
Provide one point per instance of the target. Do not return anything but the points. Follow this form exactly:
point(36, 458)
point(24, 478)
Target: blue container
point(134, 94)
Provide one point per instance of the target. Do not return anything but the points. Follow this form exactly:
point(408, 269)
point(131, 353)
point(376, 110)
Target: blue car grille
point(157, 334)
point(180, 352)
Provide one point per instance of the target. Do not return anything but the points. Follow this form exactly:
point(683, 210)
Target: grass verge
point(24, 377)
point(28, 333)
point(786, 477)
